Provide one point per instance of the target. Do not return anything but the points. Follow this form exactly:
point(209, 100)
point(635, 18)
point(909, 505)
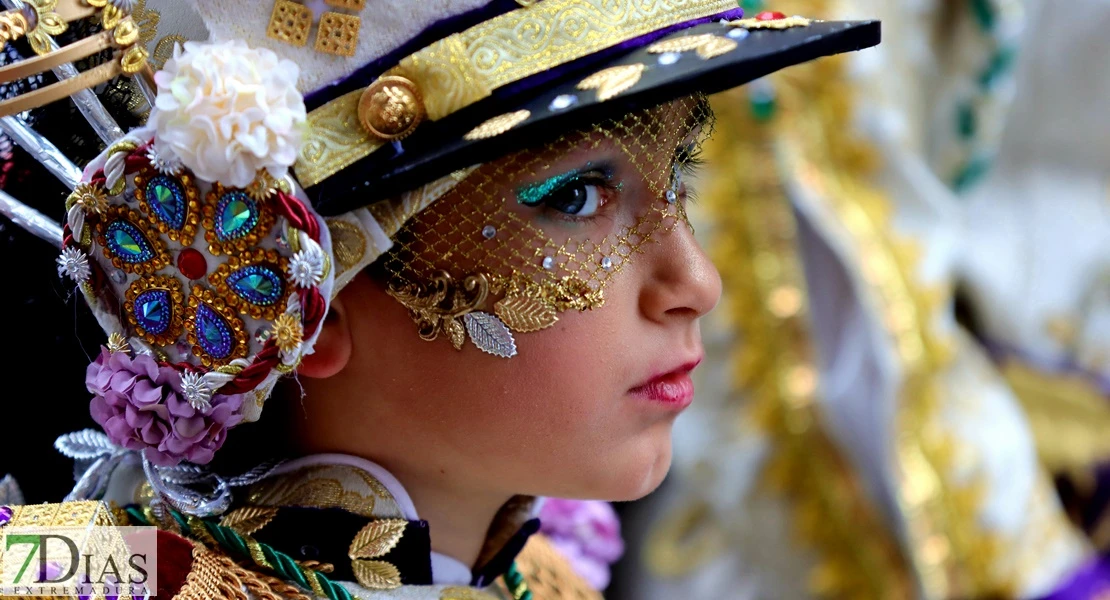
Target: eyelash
point(600, 178)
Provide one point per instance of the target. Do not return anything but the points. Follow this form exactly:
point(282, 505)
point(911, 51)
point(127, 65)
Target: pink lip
point(673, 389)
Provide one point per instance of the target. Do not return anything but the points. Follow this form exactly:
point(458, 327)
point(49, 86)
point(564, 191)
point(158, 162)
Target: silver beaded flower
point(75, 264)
point(197, 390)
point(165, 163)
point(306, 268)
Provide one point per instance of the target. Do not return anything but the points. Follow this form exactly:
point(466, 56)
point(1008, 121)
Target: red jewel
point(192, 264)
point(768, 15)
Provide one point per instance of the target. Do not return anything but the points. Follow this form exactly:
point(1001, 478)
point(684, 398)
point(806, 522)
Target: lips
point(673, 389)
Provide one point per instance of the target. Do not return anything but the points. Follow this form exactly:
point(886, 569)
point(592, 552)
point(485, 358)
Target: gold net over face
point(543, 230)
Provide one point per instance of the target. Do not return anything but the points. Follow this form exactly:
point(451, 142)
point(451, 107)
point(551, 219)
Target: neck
point(458, 518)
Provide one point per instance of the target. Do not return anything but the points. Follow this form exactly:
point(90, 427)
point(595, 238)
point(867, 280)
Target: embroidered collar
point(352, 515)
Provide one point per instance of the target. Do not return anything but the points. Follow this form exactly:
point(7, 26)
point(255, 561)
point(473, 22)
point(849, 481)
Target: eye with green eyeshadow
point(574, 195)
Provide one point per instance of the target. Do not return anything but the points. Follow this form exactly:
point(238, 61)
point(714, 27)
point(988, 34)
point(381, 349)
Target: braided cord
point(261, 554)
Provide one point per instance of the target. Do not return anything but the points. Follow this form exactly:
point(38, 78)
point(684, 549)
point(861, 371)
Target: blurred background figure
point(1035, 279)
point(909, 213)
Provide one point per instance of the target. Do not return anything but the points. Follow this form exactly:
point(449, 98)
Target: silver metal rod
point(86, 101)
point(45, 152)
point(30, 219)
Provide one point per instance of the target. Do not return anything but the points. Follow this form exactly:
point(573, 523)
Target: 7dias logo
point(92, 561)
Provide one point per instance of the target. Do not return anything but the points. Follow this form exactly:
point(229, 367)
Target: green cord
point(516, 584)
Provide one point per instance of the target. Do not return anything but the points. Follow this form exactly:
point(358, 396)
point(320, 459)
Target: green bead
point(236, 214)
point(125, 242)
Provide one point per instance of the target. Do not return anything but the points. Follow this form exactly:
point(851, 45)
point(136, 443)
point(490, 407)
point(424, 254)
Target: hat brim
point(440, 147)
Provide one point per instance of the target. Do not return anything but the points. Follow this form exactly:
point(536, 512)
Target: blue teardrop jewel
point(166, 197)
point(214, 335)
point(153, 311)
point(236, 216)
point(126, 242)
point(258, 284)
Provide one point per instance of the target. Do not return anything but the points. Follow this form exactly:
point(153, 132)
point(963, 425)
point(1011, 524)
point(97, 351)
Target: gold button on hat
point(391, 108)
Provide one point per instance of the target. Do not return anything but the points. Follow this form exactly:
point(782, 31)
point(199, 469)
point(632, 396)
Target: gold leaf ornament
point(612, 81)
point(706, 44)
point(456, 332)
point(498, 125)
point(376, 574)
point(377, 538)
point(525, 315)
point(249, 519)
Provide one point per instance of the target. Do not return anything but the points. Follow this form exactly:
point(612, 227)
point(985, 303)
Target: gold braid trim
point(216, 575)
point(755, 248)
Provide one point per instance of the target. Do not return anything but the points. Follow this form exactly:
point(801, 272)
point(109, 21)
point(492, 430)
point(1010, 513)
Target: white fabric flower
point(197, 390)
point(75, 264)
point(306, 268)
point(228, 111)
point(163, 160)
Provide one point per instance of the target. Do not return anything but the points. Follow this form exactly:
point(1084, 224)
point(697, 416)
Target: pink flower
point(587, 532)
point(141, 406)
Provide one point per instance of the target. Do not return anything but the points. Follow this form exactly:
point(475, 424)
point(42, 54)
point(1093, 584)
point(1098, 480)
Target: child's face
point(585, 408)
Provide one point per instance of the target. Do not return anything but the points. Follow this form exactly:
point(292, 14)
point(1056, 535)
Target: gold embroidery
point(338, 34)
point(466, 67)
point(376, 574)
point(787, 23)
point(498, 125)
point(249, 519)
point(329, 486)
point(348, 243)
point(706, 44)
point(375, 540)
point(612, 81)
point(290, 22)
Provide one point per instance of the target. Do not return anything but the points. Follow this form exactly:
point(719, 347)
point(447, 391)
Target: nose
point(682, 284)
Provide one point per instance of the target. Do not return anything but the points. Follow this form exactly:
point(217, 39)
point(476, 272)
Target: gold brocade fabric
point(466, 67)
point(327, 486)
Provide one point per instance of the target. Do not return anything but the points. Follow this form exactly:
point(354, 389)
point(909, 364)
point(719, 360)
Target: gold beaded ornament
point(543, 230)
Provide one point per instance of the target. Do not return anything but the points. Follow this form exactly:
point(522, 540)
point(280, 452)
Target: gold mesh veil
point(542, 230)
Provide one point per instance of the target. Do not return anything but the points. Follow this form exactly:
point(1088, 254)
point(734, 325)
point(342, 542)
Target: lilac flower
point(587, 532)
point(141, 406)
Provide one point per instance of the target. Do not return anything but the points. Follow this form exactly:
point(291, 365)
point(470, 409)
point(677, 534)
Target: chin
point(643, 470)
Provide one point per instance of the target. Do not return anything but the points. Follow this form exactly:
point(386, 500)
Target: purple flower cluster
point(587, 532)
point(141, 406)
